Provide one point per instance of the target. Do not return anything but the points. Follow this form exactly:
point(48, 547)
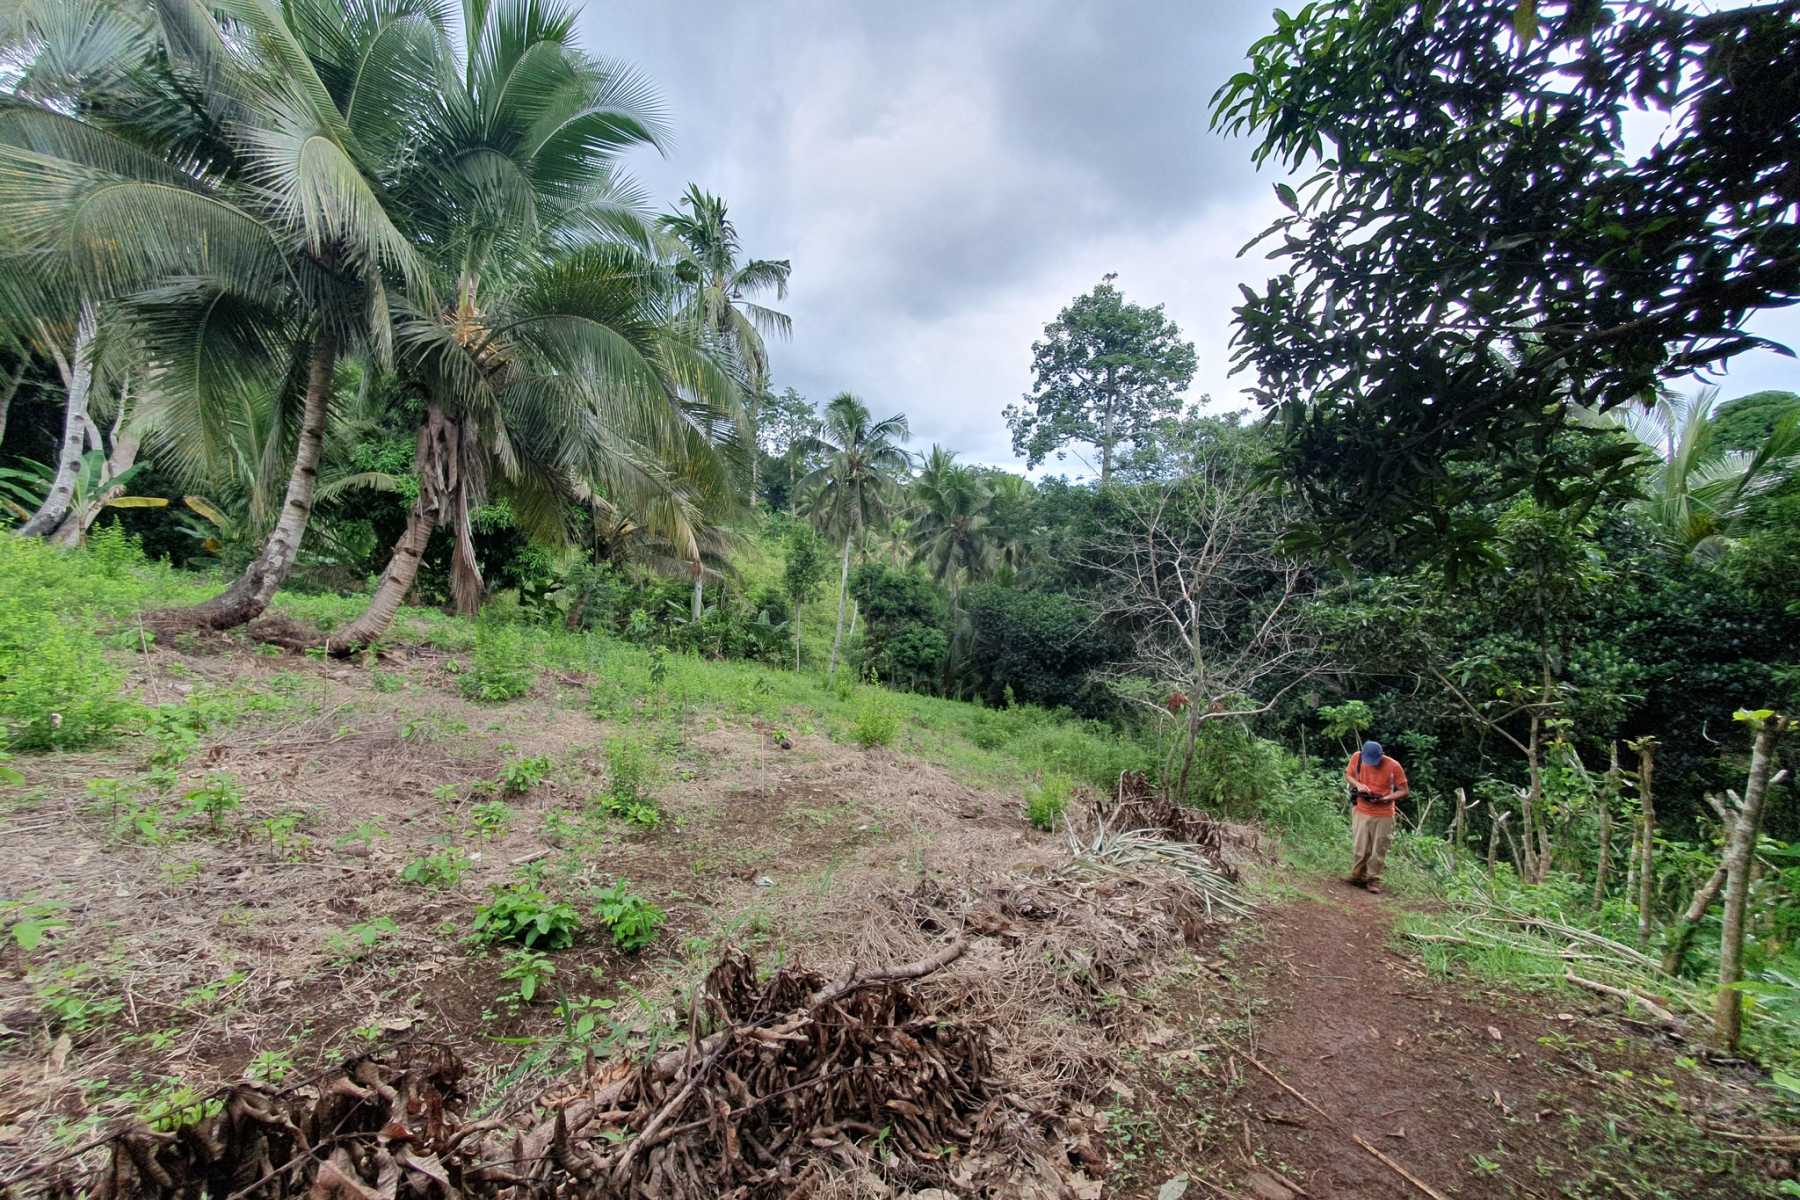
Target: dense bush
point(904, 615)
point(1037, 646)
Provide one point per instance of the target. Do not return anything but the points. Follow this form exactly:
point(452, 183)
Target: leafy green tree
point(949, 504)
point(787, 432)
point(904, 616)
point(853, 489)
point(1041, 647)
point(1746, 422)
point(1104, 371)
point(801, 573)
point(1474, 244)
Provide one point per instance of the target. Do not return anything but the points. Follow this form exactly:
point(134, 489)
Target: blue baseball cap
point(1372, 753)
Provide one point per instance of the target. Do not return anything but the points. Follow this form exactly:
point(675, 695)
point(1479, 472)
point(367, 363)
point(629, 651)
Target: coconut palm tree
point(852, 490)
point(709, 261)
point(557, 367)
point(1010, 530)
point(950, 518)
point(241, 187)
point(1696, 492)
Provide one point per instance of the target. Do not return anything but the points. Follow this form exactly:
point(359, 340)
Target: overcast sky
point(946, 176)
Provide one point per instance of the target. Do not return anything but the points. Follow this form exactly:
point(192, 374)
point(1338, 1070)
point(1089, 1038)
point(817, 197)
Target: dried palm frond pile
point(1139, 807)
point(795, 1072)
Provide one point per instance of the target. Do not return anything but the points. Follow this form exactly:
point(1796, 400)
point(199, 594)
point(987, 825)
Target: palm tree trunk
point(698, 604)
point(80, 382)
point(11, 390)
point(837, 642)
point(121, 458)
point(396, 581)
point(251, 592)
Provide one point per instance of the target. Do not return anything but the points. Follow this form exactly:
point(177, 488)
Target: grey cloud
point(946, 176)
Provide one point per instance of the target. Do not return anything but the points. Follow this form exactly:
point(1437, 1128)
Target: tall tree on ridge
point(1103, 373)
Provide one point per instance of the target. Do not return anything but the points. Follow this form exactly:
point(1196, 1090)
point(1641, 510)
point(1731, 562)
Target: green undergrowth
point(68, 632)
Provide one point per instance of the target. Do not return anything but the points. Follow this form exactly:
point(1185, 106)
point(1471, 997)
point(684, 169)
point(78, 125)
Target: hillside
point(274, 863)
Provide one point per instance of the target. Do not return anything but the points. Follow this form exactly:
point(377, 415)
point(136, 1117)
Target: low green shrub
point(632, 920)
point(526, 914)
point(439, 869)
point(1048, 799)
point(522, 774)
point(491, 819)
point(526, 970)
point(631, 775)
point(57, 689)
point(501, 667)
point(215, 799)
point(876, 719)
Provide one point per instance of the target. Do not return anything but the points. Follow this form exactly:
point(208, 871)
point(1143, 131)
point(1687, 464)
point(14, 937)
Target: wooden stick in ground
point(1646, 879)
point(1385, 1161)
point(1399, 1170)
point(1650, 1006)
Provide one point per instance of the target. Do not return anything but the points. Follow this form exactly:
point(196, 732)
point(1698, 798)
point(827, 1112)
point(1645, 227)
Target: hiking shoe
point(1372, 887)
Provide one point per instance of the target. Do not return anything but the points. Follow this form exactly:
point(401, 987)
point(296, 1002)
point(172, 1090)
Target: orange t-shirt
point(1385, 777)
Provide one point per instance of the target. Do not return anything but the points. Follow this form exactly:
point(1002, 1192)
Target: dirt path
point(1475, 1093)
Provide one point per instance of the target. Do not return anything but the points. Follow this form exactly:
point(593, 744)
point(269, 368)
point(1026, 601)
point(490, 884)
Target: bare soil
point(1475, 1092)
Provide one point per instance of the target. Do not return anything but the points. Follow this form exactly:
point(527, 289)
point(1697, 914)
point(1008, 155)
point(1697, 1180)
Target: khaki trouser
point(1369, 841)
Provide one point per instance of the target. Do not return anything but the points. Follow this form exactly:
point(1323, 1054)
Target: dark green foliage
point(904, 617)
point(1478, 246)
point(1746, 422)
point(1040, 646)
point(1104, 372)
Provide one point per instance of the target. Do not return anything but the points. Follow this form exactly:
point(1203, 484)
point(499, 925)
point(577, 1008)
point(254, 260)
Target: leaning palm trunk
point(251, 592)
point(396, 582)
point(79, 378)
point(837, 641)
point(122, 457)
point(437, 461)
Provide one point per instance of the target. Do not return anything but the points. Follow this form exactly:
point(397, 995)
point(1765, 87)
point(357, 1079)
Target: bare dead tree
point(1218, 617)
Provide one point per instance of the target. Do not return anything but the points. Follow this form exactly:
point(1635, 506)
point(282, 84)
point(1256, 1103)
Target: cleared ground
point(294, 927)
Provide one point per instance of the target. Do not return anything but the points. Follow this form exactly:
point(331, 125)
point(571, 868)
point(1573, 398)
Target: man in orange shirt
point(1376, 782)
